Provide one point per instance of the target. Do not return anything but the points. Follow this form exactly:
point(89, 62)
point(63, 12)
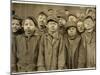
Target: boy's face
point(94, 15)
point(50, 12)
point(80, 26)
point(72, 31)
point(29, 26)
point(42, 20)
point(15, 25)
point(90, 13)
point(89, 24)
point(72, 18)
point(67, 12)
point(62, 21)
point(52, 26)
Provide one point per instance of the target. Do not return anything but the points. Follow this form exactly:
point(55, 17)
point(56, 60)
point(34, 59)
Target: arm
point(40, 62)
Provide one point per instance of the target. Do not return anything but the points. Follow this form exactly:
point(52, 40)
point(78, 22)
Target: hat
point(52, 18)
point(71, 24)
point(61, 16)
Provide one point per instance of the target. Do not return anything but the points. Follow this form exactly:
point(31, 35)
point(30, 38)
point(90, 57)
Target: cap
point(70, 24)
point(52, 18)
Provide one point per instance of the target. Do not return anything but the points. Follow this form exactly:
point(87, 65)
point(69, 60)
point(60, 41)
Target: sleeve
point(40, 62)
point(62, 55)
point(82, 56)
point(13, 56)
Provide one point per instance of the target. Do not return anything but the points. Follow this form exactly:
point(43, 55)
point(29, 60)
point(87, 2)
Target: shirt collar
point(54, 35)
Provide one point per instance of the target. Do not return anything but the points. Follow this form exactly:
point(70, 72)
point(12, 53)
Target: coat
point(13, 54)
point(27, 52)
point(89, 40)
point(75, 52)
point(51, 52)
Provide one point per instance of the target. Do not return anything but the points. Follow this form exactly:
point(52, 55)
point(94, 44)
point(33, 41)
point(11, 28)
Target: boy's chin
point(28, 33)
point(14, 31)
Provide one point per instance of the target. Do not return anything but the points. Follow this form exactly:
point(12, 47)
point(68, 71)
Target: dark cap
point(52, 18)
point(71, 24)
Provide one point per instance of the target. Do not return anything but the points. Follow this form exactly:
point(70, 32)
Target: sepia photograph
point(49, 37)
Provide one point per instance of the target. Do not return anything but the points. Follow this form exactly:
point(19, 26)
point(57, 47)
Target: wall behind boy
point(24, 10)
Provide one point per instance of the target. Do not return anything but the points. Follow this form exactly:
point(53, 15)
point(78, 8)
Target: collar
point(54, 35)
point(28, 36)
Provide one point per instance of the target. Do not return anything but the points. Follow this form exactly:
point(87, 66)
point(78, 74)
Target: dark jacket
point(75, 52)
point(89, 41)
point(13, 49)
point(27, 52)
point(51, 52)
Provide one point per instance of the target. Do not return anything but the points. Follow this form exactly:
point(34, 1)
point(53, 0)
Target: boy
point(16, 25)
point(27, 46)
point(89, 40)
point(72, 18)
point(74, 48)
point(16, 30)
point(51, 50)
point(42, 21)
point(62, 23)
point(80, 26)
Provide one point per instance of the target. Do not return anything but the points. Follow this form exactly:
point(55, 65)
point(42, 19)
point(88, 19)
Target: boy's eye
point(26, 24)
point(31, 24)
point(17, 24)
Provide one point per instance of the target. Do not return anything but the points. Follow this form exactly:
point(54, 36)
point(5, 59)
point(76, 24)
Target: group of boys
point(53, 42)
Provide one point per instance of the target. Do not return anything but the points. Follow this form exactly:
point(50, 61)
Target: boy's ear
point(46, 25)
point(22, 25)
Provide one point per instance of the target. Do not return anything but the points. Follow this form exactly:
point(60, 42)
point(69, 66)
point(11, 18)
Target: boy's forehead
point(79, 22)
point(71, 27)
point(13, 20)
point(89, 20)
point(52, 21)
point(42, 15)
point(72, 16)
point(28, 20)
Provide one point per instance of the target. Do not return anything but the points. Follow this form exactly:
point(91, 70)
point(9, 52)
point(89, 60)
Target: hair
point(72, 15)
point(50, 9)
point(80, 20)
point(88, 17)
point(42, 13)
point(31, 18)
point(17, 18)
point(51, 20)
point(13, 12)
point(66, 10)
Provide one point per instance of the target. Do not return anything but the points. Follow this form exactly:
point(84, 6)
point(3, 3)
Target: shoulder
point(19, 36)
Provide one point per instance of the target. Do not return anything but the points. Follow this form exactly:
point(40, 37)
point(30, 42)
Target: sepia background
point(24, 10)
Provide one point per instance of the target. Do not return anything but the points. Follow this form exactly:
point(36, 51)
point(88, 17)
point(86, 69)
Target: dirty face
point(52, 26)
point(72, 31)
point(89, 24)
point(29, 26)
point(62, 22)
point(51, 12)
point(80, 26)
point(15, 25)
point(42, 20)
point(72, 18)
point(67, 12)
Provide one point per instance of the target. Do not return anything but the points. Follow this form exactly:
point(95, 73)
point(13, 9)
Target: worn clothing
point(74, 52)
point(89, 39)
point(51, 52)
point(27, 52)
point(13, 50)
point(41, 31)
point(13, 54)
